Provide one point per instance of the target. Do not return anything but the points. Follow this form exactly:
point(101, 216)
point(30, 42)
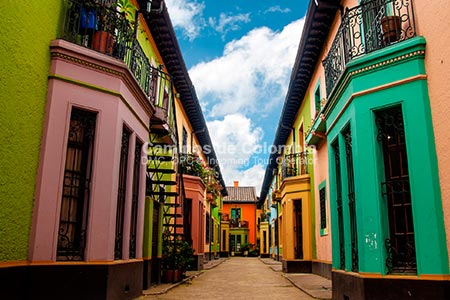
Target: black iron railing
point(337, 160)
point(400, 247)
point(294, 164)
point(101, 26)
point(351, 200)
point(234, 223)
point(373, 25)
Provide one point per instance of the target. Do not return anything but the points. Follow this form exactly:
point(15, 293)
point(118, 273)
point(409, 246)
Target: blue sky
point(240, 54)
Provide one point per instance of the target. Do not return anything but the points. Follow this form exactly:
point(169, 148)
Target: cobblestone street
point(236, 278)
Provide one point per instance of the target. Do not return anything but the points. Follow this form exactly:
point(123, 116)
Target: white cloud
point(252, 75)
point(228, 23)
point(187, 16)
point(277, 8)
point(236, 139)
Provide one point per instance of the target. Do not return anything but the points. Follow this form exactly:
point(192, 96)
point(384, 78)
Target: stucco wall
point(116, 106)
point(27, 27)
point(248, 213)
point(432, 23)
point(323, 241)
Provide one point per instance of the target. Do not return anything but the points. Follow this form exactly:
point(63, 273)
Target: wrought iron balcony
point(234, 223)
point(373, 25)
point(101, 26)
point(294, 164)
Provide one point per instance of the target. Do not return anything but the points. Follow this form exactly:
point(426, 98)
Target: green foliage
point(178, 254)
point(128, 8)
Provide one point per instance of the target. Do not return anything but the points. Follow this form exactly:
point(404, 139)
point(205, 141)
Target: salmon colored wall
point(323, 242)
point(195, 190)
point(431, 22)
point(248, 213)
point(320, 153)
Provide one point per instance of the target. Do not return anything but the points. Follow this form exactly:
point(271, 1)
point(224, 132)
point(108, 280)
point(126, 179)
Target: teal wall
point(371, 210)
point(27, 27)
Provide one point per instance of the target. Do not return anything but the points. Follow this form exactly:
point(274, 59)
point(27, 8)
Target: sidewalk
point(314, 285)
point(165, 287)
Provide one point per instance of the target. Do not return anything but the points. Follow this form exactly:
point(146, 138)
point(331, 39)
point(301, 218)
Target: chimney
point(236, 183)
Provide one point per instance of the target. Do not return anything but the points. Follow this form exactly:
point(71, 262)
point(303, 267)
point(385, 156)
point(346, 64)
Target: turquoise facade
point(388, 77)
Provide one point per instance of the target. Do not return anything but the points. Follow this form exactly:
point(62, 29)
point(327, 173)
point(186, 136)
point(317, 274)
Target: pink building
point(88, 212)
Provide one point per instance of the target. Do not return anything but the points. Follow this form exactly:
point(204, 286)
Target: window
point(224, 240)
point(166, 102)
point(400, 246)
point(323, 209)
point(120, 212)
point(301, 138)
point(185, 138)
point(135, 198)
point(235, 217)
point(76, 186)
point(154, 86)
point(208, 221)
point(347, 134)
point(340, 214)
point(317, 98)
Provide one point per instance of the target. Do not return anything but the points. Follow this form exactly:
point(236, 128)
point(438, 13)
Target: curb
point(187, 279)
point(302, 289)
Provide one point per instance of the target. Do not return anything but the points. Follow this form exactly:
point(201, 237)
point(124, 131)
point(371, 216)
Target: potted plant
point(178, 254)
point(103, 40)
point(391, 24)
point(245, 248)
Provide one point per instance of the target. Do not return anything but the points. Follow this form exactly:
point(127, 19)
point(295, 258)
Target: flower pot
point(391, 27)
point(103, 42)
point(171, 276)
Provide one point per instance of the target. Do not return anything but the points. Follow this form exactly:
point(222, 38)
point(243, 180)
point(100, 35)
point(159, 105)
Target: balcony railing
point(238, 224)
point(373, 25)
point(101, 26)
point(294, 164)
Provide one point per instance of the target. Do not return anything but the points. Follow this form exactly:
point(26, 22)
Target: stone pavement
point(314, 285)
point(165, 287)
point(237, 278)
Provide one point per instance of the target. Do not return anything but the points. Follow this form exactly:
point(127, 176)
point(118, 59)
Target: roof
point(241, 194)
point(315, 32)
point(164, 35)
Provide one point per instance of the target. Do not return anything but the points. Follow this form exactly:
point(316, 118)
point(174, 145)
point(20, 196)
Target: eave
point(318, 22)
point(166, 41)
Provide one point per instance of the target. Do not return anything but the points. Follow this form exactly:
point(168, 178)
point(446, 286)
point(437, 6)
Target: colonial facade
point(239, 220)
point(372, 82)
point(109, 177)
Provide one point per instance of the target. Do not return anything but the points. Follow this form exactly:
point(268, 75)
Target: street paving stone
point(236, 278)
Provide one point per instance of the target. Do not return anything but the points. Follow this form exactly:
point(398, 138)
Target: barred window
point(323, 210)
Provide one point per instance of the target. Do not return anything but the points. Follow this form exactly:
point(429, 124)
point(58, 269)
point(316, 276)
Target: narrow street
point(236, 278)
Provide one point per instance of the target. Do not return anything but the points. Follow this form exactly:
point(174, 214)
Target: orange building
point(238, 218)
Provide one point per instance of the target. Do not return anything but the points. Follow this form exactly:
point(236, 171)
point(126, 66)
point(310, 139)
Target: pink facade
point(430, 20)
point(323, 239)
point(84, 79)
